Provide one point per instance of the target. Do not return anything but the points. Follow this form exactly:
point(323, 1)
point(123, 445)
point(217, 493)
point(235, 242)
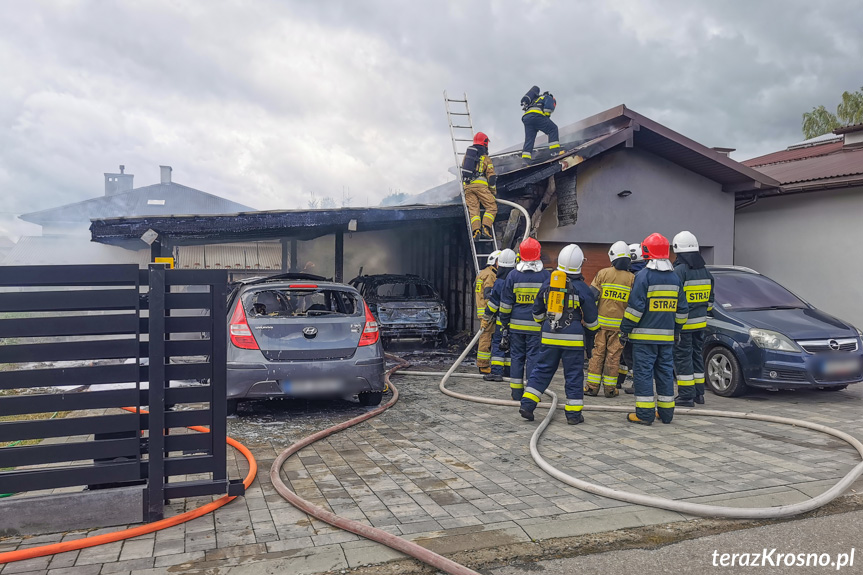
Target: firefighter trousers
point(499, 358)
point(476, 195)
point(524, 349)
point(625, 363)
point(689, 365)
point(605, 362)
point(534, 123)
point(483, 350)
point(573, 373)
point(653, 362)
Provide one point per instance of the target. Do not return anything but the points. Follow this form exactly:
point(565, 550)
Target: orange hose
point(77, 544)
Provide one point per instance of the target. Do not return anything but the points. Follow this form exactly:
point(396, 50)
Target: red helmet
point(480, 139)
point(655, 247)
point(530, 250)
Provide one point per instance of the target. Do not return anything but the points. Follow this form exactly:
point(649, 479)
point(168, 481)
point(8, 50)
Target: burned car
point(301, 336)
point(406, 306)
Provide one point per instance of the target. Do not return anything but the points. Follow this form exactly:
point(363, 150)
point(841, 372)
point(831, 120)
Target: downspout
point(747, 203)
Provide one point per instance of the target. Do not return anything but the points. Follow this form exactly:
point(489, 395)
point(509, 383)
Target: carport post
point(294, 255)
point(340, 256)
point(284, 244)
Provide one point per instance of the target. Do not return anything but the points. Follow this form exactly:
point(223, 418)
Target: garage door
point(596, 257)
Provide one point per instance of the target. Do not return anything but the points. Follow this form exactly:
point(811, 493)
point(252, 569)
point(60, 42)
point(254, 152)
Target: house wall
point(808, 243)
point(666, 198)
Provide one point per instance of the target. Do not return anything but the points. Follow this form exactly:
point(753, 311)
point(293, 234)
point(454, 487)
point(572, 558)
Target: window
point(743, 291)
point(299, 302)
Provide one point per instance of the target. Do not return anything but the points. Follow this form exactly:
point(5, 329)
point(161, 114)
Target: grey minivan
point(301, 336)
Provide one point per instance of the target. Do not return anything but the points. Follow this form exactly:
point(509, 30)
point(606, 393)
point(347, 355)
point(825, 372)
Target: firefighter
point(520, 334)
point(484, 283)
point(479, 187)
point(698, 287)
point(611, 288)
point(564, 303)
point(537, 118)
point(625, 369)
point(499, 358)
point(655, 312)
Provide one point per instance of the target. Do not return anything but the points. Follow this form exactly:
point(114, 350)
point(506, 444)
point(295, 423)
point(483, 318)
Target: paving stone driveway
point(454, 475)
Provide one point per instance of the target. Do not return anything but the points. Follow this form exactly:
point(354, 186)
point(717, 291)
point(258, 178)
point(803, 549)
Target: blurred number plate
point(841, 366)
point(311, 386)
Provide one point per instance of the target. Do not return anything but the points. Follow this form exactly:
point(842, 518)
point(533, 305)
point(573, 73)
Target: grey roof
point(53, 250)
point(146, 201)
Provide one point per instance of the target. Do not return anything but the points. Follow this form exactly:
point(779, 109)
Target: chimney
point(724, 151)
point(118, 183)
point(166, 174)
point(853, 135)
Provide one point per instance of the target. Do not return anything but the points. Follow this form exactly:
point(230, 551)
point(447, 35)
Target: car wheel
point(442, 341)
point(833, 388)
point(723, 373)
point(370, 398)
point(232, 406)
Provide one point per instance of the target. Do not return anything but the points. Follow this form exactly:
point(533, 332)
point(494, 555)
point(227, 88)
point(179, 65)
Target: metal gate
point(115, 337)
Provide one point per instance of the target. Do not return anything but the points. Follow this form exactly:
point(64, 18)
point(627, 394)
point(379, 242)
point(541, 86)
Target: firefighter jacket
point(656, 309)
point(579, 307)
point(543, 105)
point(517, 298)
point(484, 175)
point(612, 290)
point(493, 305)
point(698, 287)
point(484, 284)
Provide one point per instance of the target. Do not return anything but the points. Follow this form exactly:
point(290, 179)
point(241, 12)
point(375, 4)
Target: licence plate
point(306, 386)
point(841, 366)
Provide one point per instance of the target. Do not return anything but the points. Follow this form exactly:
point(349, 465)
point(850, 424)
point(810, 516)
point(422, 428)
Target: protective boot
point(680, 403)
point(574, 417)
point(610, 391)
point(699, 399)
point(492, 377)
point(528, 415)
point(591, 391)
point(485, 369)
point(477, 235)
point(662, 420)
point(630, 388)
point(487, 232)
point(632, 418)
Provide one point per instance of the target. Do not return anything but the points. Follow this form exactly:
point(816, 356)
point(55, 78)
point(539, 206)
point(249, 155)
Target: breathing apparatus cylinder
point(556, 298)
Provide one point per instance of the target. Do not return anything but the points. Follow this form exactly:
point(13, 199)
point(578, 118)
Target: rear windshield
point(742, 291)
point(405, 290)
point(287, 302)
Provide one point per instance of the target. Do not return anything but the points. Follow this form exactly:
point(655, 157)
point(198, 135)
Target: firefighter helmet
point(492, 258)
point(570, 259)
point(530, 250)
point(655, 247)
point(480, 139)
point(685, 242)
point(635, 253)
point(506, 259)
point(618, 250)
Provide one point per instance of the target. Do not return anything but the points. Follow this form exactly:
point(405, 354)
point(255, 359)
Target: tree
point(821, 121)
point(328, 203)
point(313, 201)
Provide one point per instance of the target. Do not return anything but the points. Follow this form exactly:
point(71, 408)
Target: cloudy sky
point(266, 102)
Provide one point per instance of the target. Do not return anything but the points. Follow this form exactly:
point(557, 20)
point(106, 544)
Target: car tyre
point(723, 374)
point(232, 406)
point(370, 398)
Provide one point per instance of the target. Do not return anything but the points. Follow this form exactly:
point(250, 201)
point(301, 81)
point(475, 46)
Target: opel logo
point(834, 345)
point(310, 331)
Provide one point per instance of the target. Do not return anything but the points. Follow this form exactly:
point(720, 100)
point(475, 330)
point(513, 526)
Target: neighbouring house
point(65, 235)
point(805, 234)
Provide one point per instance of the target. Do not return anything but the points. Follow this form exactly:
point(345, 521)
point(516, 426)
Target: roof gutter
point(747, 203)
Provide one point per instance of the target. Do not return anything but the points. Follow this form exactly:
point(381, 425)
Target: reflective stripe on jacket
point(517, 299)
point(484, 170)
point(580, 300)
point(482, 288)
point(656, 309)
point(698, 287)
point(613, 286)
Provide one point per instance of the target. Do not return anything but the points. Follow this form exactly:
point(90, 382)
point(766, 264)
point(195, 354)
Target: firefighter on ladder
point(520, 334)
point(500, 361)
point(565, 307)
point(479, 187)
point(484, 284)
point(656, 311)
point(611, 286)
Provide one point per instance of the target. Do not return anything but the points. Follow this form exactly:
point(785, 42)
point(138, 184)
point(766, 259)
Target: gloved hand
point(486, 324)
point(504, 339)
point(624, 338)
point(589, 338)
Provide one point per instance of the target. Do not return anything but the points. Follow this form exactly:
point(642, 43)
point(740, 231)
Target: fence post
point(156, 467)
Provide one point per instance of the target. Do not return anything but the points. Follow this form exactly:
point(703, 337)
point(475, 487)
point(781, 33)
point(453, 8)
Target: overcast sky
point(264, 102)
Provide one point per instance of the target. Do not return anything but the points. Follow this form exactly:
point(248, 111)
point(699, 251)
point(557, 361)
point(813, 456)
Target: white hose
point(686, 507)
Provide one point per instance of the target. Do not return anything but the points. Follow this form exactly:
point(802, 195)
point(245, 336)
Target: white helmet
point(570, 259)
point(492, 257)
point(635, 253)
point(618, 250)
point(685, 242)
point(506, 259)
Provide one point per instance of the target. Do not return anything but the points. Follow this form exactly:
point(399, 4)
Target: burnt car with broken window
point(406, 306)
point(301, 336)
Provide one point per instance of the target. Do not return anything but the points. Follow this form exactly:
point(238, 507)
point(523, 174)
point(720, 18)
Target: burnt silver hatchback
point(301, 336)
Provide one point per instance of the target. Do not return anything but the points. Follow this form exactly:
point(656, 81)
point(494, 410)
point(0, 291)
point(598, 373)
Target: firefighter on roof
point(520, 334)
point(564, 303)
point(611, 286)
point(500, 361)
point(479, 187)
point(537, 118)
point(482, 289)
point(655, 312)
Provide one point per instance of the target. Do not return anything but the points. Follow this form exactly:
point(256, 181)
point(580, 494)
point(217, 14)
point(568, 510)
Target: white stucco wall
point(809, 243)
point(666, 198)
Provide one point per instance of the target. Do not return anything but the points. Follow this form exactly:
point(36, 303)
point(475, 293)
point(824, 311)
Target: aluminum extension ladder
point(461, 133)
